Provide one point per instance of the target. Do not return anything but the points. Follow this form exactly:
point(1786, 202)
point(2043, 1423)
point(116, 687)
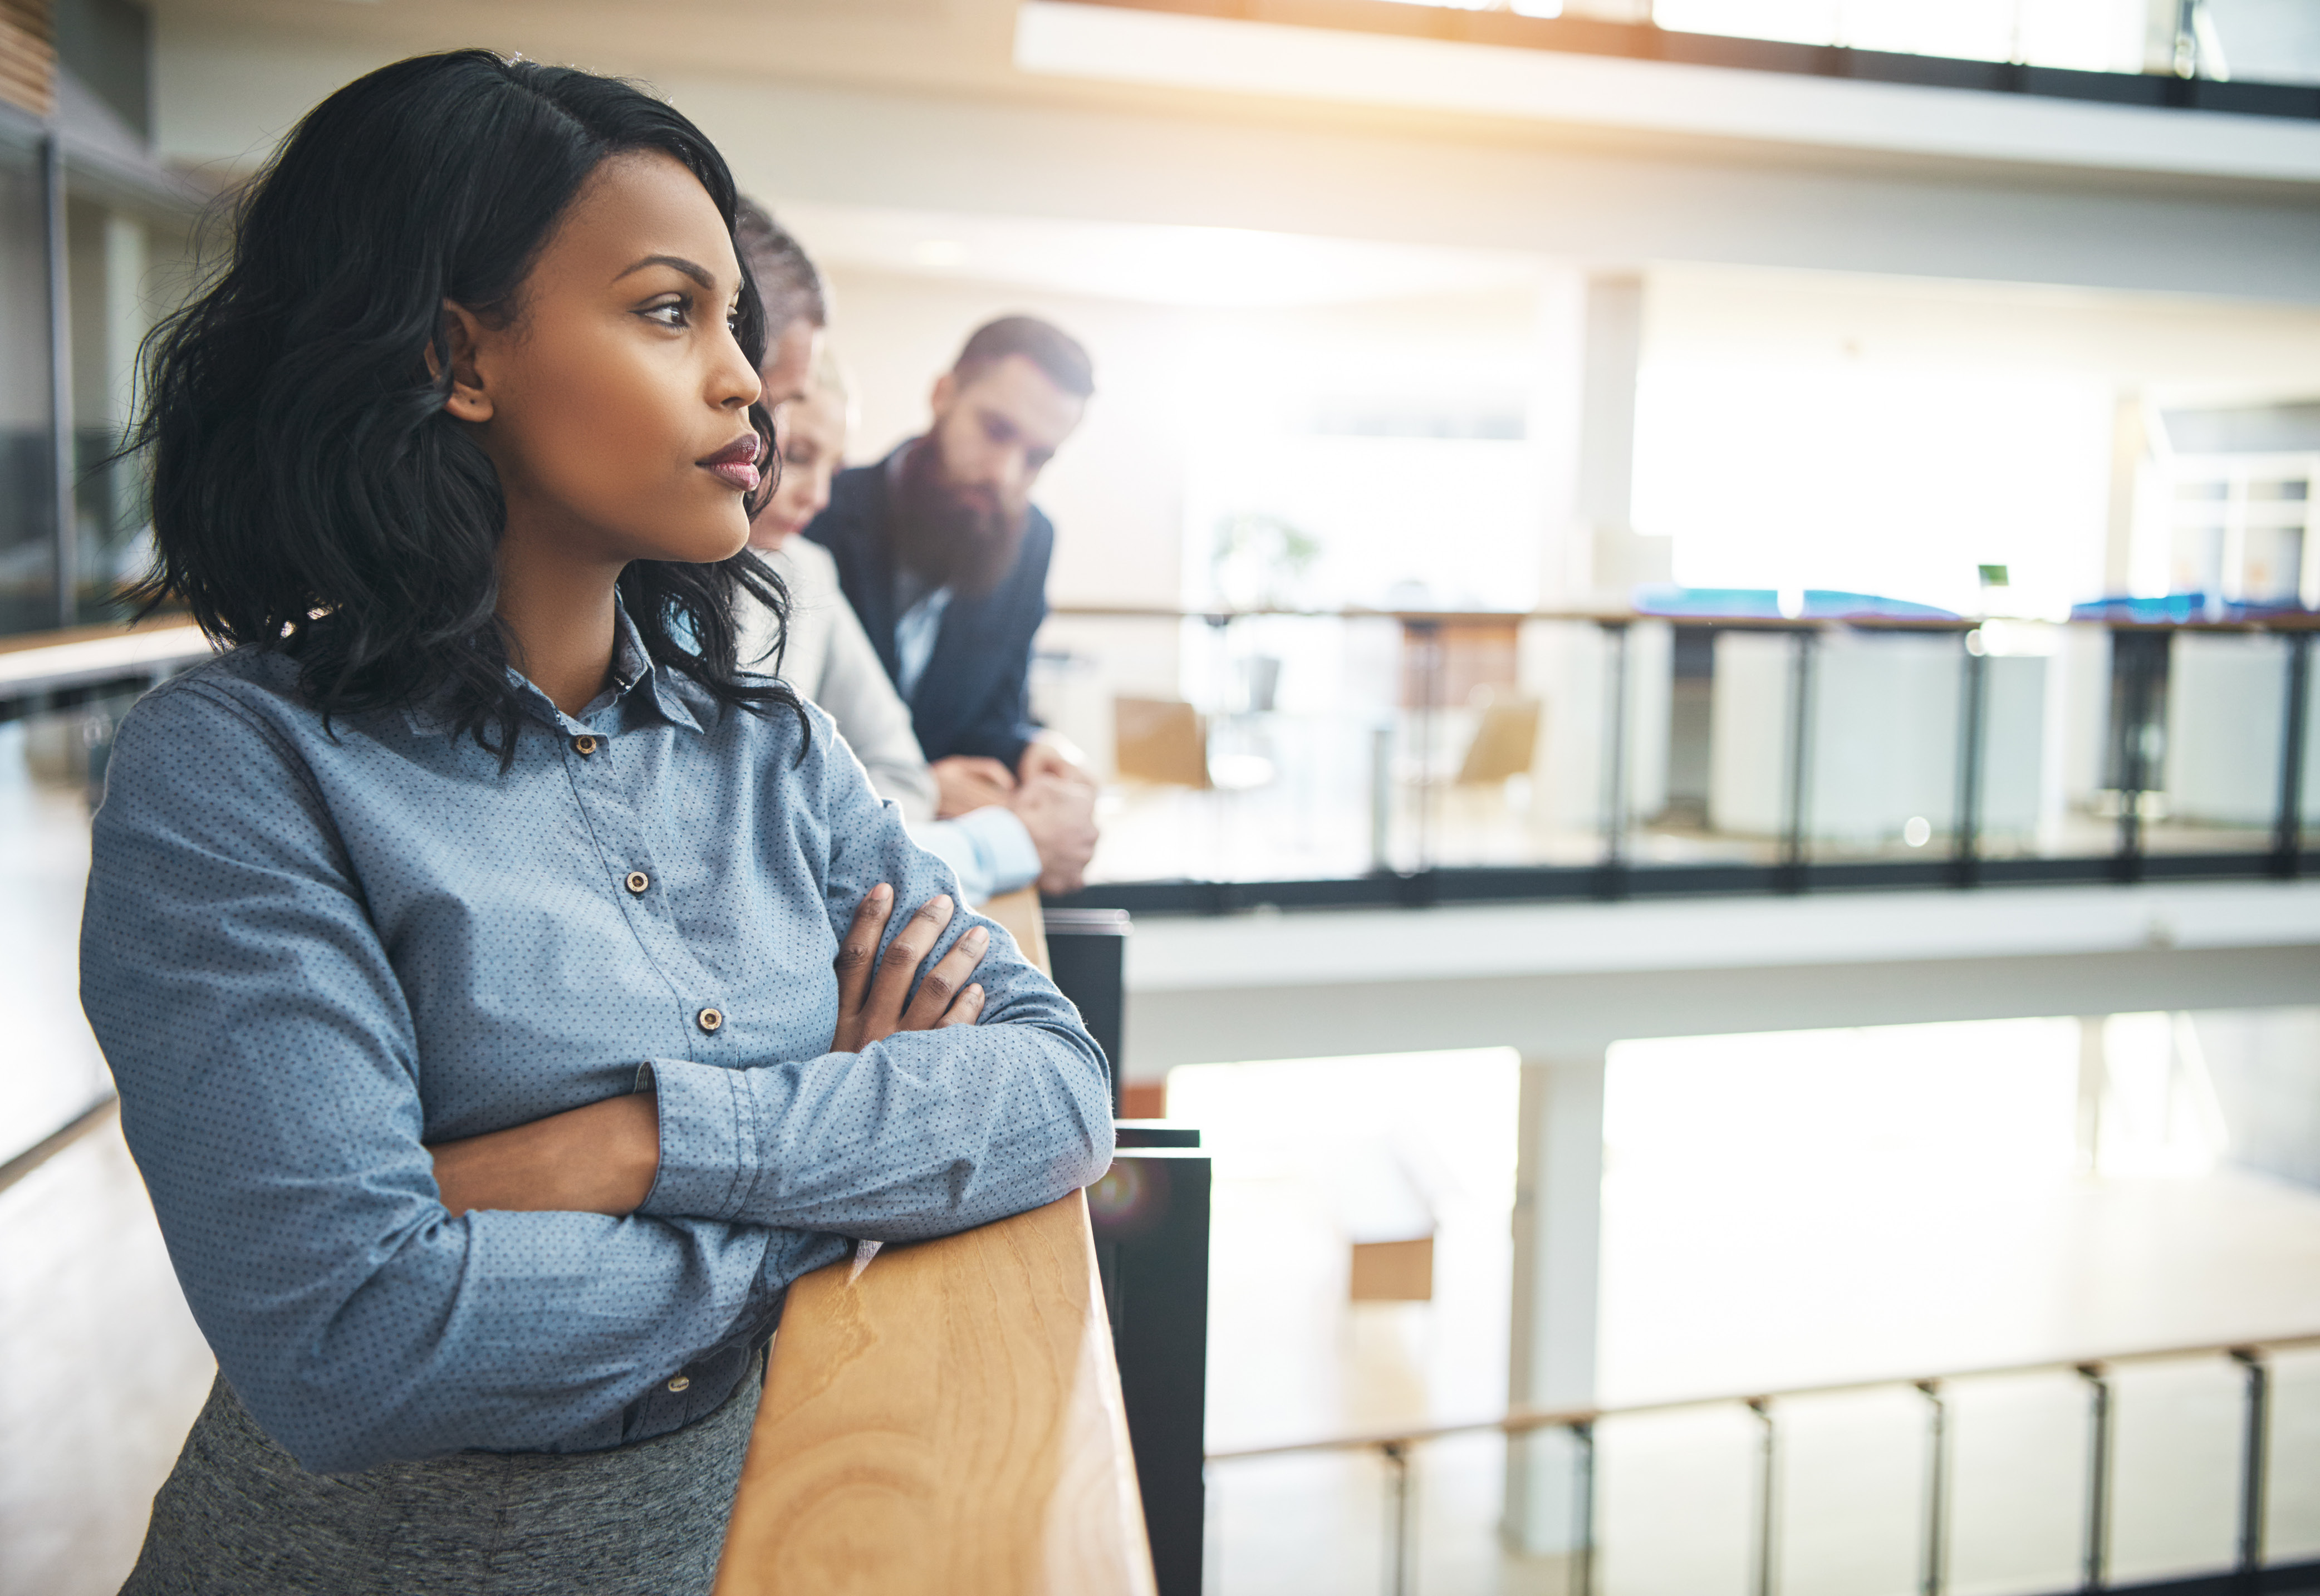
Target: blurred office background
point(1695, 617)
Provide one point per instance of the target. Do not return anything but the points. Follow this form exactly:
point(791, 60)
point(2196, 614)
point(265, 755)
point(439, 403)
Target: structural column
point(1557, 1246)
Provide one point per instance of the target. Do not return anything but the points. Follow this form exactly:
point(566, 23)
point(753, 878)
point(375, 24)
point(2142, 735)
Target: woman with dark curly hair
point(501, 980)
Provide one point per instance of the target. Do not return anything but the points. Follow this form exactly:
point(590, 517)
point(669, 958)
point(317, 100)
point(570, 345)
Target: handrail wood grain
point(948, 1421)
point(1019, 912)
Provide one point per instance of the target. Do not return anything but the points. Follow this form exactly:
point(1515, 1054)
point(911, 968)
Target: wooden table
point(948, 1420)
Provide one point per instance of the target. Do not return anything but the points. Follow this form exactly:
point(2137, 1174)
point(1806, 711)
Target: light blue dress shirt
point(308, 952)
point(915, 632)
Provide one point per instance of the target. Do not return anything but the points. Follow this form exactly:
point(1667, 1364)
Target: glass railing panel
point(1291, 1525)
point(52, 1072)
point(1458, 1501)
point(1522, 770)
point(1883, 745)
point(1695, 1468)
point(2016, 1483)
point(1257, 748)
point(2179, 1430)
point(1850, 1494)
point(2220, 736)
point(1752, 730)
point(28, 565)
point(2292, 1459)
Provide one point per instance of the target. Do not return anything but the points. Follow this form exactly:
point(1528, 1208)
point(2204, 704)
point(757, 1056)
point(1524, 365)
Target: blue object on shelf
point(2175, 608)
point(1764, 604)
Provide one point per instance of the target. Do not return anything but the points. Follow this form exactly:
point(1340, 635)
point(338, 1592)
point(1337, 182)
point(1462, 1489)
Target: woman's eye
point(668, 314)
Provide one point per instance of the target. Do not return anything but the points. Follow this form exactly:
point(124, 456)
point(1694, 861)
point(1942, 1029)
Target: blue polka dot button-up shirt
point(308, 953)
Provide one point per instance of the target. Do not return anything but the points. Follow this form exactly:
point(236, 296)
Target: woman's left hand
point(872, 987)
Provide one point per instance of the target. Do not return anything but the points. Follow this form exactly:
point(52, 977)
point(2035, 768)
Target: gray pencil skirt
point(239, 1516)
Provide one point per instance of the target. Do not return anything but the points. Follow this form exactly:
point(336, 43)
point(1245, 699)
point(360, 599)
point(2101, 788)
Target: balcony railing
point(2268, 1471)
point(1315, 758)
point(1349, 758)
point(1013, 1409)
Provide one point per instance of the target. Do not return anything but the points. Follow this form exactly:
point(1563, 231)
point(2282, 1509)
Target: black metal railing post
point(66, 527)
point(1381, 799)
point(1427, 636)
point(2287, 830)
point(2254, 1465)
point(1399, 1534)
point(1762, 1581)
point(2094, 1561)
point(1936, 1574)
point(1796, 789)
point(2138, 678)
point(1582, 1510)
point(1613, 882)
point(1973, 716)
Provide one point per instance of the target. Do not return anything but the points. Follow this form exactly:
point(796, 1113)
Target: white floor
point(49, 1068)
point(105, 1371)
point(1760, 1267)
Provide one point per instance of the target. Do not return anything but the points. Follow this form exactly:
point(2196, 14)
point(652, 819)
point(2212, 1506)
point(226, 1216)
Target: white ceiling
point(1220, 267)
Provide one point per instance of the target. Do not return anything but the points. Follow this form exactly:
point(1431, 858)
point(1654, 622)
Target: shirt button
point(679, 1383)
point(709, 1019)
point(583, 746)
point(638, 881)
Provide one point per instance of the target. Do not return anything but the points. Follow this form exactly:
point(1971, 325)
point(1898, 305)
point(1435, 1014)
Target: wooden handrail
point(1019, 911)
point(947, 1420)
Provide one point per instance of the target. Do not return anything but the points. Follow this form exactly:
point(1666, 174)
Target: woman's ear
point(469, 401)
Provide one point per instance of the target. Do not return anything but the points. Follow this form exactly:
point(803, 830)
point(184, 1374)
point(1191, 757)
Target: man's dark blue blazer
point(975, 696)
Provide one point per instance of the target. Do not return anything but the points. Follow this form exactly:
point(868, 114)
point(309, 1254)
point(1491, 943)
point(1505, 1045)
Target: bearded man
point(943, 557)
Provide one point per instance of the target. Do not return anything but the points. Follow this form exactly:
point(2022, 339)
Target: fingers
point(965, 1010)
point(899, 966)
point(857, 955)
point(947, 980)
point(968, 783)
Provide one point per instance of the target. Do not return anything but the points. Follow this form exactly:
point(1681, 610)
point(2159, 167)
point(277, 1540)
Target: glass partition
point(27, 419)
point(1499, 755)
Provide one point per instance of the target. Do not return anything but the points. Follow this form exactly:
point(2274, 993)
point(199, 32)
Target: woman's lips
point(736, 463)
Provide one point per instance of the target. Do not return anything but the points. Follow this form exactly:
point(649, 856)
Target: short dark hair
point(310, 492)
point(788, 281)
point(1044, 344)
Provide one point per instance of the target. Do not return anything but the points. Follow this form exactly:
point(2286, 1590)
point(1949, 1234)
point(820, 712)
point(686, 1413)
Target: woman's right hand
point(870, 988)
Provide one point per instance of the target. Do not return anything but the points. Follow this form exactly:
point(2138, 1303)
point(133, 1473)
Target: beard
point(950, 534)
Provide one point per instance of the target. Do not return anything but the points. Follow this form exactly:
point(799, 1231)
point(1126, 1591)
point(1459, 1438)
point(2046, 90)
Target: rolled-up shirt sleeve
point(270, 1081)
point(919, 1135)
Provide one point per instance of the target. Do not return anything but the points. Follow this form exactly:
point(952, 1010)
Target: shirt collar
point(633, 668)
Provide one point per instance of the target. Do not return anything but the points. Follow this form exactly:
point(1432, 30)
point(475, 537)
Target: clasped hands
point(603, 1158)
point(1048, 792)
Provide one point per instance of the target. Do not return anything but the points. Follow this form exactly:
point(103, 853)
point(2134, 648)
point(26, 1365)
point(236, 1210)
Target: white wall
point(1806, 428)
point(1115, 490)
point(2265, 1066)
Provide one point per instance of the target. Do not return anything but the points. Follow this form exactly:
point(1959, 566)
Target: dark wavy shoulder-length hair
point(310, 492)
